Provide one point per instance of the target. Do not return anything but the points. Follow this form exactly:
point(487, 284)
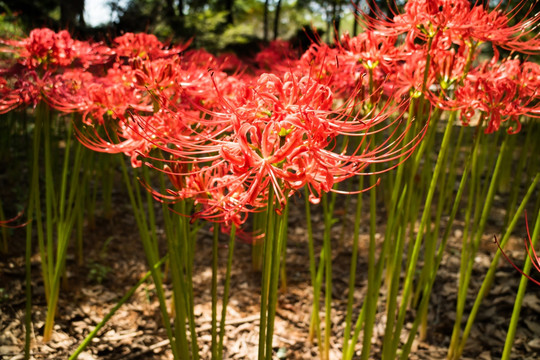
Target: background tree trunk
point(276, 19)
point(265, 20)
point(356, 9)
point(229, 8)
point(71, 13)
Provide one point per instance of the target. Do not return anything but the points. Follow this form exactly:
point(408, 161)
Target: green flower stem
point(352, 271)
point(424, 304)
point(280, 230)
point(328, 211)
point(374, 275)
point(452, 170)
point(471, 252)
point(283, 254)
point(107, 181)
point(65, 213)
point(150, 212)
point(215, 242)
point(462, 293)
point(520, 169)
point(151, 256)
point(371, 301)
point(432, 238)
point(415, 107)
point(533, 167)
point(115, 308)
point(225, 302)
point(491, 272)
point(28, 272)
point(396, 266)
point(430, 267)
point(259, 225)
point(33, 204)
point(189, 251)
point(177, 262)
point(315, 320)
point(392, 221)
point(520, 294)
point(267, 261)
point(42, 112)
point(357, 328)
point(49, 199)
point(84, 188)
point(317, 295)
point(507, 170)
point(410, 274)
point(91, 192)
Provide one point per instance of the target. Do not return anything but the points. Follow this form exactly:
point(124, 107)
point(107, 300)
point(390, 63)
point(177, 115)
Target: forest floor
point(115, 261)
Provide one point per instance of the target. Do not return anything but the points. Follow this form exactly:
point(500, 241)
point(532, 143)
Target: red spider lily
point(284, 136)
point(529, 79)
point(215, 193)
point(49, 50)
point(500, 91)
point(420, 16)
point(9, 98)
point(26, 90)
point(371, 49)
point(448, 66)
point(201, 59)
point(176, 79)
point(115, 94)
point(340, 69)
point(68, 92)
point(535, 260)
point(231, 63)
point(38, 58)
point(278, 57)
point(44, 47)
point(127, 138)
point(358, 56)
point(144, 46)
point(156, 104)
point(457, 22)
point(408, 77)
point(178, 93)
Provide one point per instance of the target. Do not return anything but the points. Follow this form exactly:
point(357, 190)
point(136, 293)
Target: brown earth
point(115, 261)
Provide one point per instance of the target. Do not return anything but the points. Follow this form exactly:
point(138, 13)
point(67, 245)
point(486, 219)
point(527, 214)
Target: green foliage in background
point(10, 24)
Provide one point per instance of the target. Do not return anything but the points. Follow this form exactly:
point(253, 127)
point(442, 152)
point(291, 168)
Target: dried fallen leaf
point(534, 344)
point(532, 301)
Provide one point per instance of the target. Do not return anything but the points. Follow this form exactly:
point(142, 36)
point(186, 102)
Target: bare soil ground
point(115, 261)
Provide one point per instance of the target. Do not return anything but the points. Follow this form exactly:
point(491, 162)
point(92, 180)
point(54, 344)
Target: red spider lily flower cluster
point(502, 92)
point(449, 35)
point(230, 133)
point(282, 133)
point(460, 21)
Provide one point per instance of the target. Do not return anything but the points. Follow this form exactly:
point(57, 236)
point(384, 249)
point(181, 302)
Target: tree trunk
point(170, 9)
point(276, 19)
point(356, 7)
point(180, 8)
point(265, 20)
point(336, 19)
point(229, 8)
point(72, 13)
